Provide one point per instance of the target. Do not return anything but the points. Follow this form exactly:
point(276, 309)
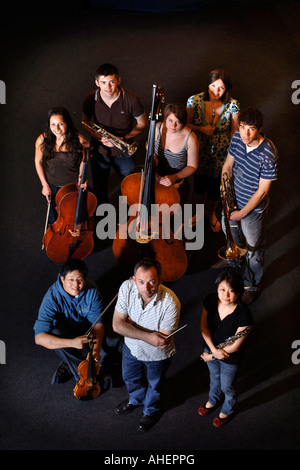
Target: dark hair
point(233, 279)
point(147, 263)
point(251, 117)
point(106, 69)
point(71, 141)
point(216, 75)
point(74, 265)
point(179, 109)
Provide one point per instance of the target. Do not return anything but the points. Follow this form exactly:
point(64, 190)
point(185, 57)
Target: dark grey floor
point(48, 58)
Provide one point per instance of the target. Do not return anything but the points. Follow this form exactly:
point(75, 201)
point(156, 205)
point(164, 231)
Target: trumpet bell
point(233, 251)
point(131, 149)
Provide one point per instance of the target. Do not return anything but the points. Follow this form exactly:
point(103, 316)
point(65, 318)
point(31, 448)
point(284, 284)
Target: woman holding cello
point(176, 148)
point(58, 156)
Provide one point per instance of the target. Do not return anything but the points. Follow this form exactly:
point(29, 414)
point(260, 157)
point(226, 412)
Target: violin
point(150, 238)
point(71, 234)
point(88, 387)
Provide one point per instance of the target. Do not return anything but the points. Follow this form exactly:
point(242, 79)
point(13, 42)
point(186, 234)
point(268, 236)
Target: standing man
point(120, 112)
point(70, 306)
point(145, 314)
point(252, 161)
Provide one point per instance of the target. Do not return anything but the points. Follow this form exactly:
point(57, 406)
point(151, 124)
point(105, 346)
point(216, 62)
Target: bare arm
point(49, 341)
point(254, 201)
point(124, 327)
point(141, 124)
point(228, 165)
point(38, 161)
point(217, 353)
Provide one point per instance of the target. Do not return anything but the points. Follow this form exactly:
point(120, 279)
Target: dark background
point(48, 56)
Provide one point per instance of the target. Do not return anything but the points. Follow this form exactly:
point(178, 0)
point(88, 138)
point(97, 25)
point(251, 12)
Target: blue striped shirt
point(250, 167)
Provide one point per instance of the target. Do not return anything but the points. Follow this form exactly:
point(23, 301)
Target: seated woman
point(176, 148)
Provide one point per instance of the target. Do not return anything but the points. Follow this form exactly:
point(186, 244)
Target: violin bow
point(95, 322)
point(46, 223)
point(176, 331)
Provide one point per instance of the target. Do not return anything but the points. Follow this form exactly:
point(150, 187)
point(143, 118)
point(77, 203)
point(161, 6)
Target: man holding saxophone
point(118, 111)
point(252, 163)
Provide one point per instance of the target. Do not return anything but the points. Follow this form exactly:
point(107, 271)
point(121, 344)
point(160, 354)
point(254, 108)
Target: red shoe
point(218, 422)
point(203, 411)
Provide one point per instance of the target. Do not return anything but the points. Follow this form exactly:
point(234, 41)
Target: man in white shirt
point(146, 313)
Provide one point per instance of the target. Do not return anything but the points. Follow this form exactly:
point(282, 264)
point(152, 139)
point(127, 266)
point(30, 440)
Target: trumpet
point(96, 130)
point(232, 250)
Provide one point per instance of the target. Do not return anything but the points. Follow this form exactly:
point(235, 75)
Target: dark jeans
point(123, 165)
point(144, 380)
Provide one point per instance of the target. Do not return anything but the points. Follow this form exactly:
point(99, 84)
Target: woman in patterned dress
point(213, 115)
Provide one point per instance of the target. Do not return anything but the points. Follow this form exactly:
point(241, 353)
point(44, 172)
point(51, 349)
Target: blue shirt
point(249, 167)
point(60, 309)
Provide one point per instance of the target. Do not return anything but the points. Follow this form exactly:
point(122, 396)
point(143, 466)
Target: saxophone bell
point(232, 250)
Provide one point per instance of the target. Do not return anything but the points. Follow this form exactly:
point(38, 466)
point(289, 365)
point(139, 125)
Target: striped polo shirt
point(161, 313)
point(249, 167)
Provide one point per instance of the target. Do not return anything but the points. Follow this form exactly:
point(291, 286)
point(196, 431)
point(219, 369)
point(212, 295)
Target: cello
point(71, 235)
point(148, 236)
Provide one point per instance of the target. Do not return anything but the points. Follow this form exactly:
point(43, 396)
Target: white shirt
point(162, 312)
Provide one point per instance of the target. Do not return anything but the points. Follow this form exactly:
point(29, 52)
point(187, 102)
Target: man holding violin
point(70, 306)
point(146, 314)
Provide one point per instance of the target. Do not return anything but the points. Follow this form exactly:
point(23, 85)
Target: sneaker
point(62, 374)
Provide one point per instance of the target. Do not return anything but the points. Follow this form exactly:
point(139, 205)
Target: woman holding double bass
point(58, 156)
point(146, 234)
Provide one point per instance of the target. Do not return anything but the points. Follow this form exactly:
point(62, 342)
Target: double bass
point(71, 234)
point(151, 239)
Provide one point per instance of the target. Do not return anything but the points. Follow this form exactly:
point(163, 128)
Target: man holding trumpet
point(252, 163)
point(118, 111)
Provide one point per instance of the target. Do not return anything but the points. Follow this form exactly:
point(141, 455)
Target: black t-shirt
point(223, 329)
point(119, 119)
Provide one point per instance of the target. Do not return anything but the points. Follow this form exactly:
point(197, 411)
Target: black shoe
point(125, 407)
point(105, 382)
point(147, 421)
point(62, 374)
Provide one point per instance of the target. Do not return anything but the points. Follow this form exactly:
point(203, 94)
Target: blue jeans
point(123, 165)
point(222, 379)
point(250, 232)
point(144, 381)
